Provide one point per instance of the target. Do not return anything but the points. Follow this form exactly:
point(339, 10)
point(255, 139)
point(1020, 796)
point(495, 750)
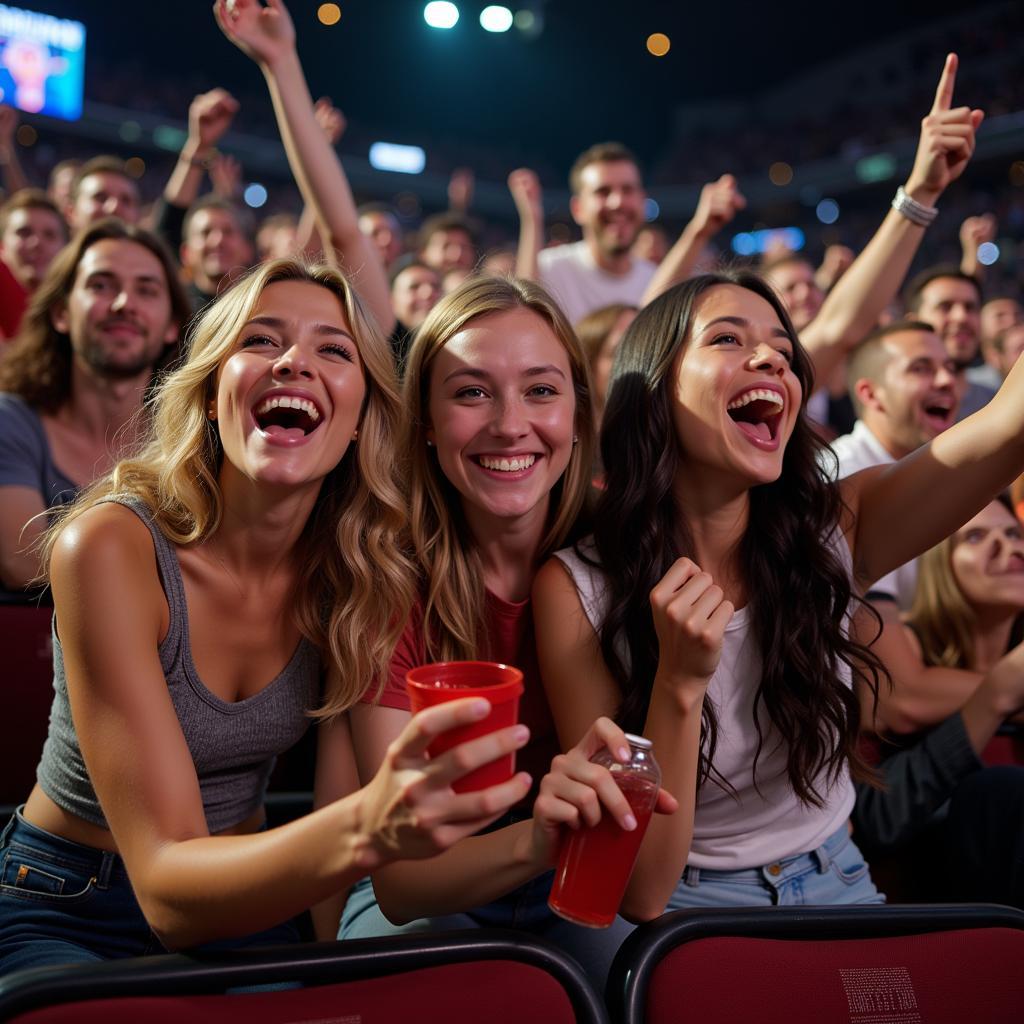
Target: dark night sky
point(587, 77)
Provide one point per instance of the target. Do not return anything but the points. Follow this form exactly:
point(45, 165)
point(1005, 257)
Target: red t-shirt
point(13, 299)
point(508, 638)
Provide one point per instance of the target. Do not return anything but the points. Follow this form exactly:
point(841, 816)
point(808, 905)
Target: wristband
point(203, 159)
point(915, 212)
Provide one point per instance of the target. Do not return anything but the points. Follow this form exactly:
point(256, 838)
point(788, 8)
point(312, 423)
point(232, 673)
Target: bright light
point(751, 243)
point(780, 173)
point(651, 209)
point(988, 253)
point(658, 44)
point(329, 14)
point(255, 195)
point(827, 211)
point(496, 18)
point(389, 156)
point(525, 20)
point(440, 14)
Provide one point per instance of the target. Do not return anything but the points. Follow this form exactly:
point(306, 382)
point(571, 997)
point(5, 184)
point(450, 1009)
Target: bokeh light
point(988, 253)
point(26, 135)
point(441, 14)
point(1017, 173)
point(135, 166)
point(658, 44)
point(496, 18)
point(827, 211)
point(130, 131)
point(651, 209)
point(780, 173)
point(255, 195)
point(328, 14)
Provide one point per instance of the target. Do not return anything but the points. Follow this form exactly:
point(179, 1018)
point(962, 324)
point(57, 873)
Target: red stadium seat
point(492, 975)
point(1006, 747)
point(27, 693)
point(940, 964)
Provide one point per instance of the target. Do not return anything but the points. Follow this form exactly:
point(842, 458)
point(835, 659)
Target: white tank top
point(752, 826)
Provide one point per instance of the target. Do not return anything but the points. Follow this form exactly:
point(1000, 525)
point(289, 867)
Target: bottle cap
point(639, 741)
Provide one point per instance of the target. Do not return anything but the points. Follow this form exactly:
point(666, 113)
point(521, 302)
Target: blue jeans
point(62, 902)
point(525, 908)
point(833, 874)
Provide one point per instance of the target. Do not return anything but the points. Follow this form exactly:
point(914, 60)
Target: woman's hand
point(576, 792)
point(409, 809)
point(690, 616)
point(263, 33)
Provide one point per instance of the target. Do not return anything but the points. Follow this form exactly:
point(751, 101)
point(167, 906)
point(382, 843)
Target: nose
point(508, 419)
point(122, 300)
point(945, 378)
point(767, 357)
point(292, 362)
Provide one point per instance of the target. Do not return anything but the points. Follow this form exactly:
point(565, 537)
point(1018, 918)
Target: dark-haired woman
point(709, 610)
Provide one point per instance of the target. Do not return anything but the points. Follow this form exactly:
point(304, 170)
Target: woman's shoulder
point(108, 537)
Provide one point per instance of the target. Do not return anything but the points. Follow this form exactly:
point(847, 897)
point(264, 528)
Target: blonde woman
point(200, 590)
point(498, 431)
point(957, 821)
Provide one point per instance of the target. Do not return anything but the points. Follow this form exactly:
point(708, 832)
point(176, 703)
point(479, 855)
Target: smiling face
point(290, 392)
point(104, 194)
point(916, 394)
point(118, 312)
point(953, 307)
point(735, 397)
point(988, 559)
point(502, 409)
point(609, 206)
point(214, 245)
point(794, 280)
point(32, 236)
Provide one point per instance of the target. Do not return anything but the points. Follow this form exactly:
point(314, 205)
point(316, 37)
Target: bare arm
point(905, 508)
point(209, 116)
point(579, 688)
point(10, 166)
point(719, 203)
point(921, 696)
point(194, 887)
point(526, 192)
point(267, 36)
point(853, 307)
point(975, 232)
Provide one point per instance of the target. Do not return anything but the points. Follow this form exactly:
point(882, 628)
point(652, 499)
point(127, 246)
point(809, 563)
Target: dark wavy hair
point(798, 590)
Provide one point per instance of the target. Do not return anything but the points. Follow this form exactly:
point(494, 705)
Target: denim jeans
point(525, 908)
point(833, 874)
point(62, 902)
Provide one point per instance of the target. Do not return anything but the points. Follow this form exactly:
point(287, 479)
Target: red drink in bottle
point(594, 864)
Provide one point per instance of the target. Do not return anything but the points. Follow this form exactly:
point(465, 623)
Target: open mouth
point(286, 416)
point(505, 463)
point(757, 413)
point(939, 415)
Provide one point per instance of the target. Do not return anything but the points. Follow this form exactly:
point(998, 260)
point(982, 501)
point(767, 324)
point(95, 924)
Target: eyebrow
point(738, 321)
point(279, 325)
point(138, 278)
point(533, 371)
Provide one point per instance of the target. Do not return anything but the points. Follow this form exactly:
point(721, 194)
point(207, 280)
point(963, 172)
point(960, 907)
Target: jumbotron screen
point(42, 63)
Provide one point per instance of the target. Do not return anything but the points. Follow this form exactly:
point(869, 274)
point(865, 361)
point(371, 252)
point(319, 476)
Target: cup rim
point(513, 681)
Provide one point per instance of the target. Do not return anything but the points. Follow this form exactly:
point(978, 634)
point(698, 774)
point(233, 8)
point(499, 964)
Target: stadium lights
point(441, 14)
point(496, 18)
point(390, 156)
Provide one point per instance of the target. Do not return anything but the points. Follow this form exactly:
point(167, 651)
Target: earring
point(575, 439)
point(355, 435)
point(430, 444)
point(211, 412)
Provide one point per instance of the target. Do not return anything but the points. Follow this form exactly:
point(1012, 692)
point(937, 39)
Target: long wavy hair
point(355, 581)
point(941, 617)
point(37, 364)
point(798, 589)
point(452, 576)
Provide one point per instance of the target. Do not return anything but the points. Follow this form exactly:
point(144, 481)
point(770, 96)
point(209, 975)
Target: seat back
point(27, 681)
point(487, 975)
point(863, 965)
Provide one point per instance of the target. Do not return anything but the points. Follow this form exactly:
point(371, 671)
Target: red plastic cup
point(442, 681)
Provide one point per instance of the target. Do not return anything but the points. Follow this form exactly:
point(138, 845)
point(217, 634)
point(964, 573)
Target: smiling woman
point(720, 630)
point(201, 588)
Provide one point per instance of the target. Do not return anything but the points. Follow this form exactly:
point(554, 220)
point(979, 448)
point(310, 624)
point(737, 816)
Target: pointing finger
point(944, 92)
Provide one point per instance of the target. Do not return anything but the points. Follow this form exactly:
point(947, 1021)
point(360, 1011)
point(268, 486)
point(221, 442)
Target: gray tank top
point(233, 745)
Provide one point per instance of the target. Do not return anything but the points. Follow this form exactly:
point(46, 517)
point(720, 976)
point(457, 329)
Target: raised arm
point(12, 176)
point(194, 887)
point(690, 617)
point(267, 36)
point(529, 199)
point(853, 307)
point(902, 509)
point(719, 203)
point(974, 233)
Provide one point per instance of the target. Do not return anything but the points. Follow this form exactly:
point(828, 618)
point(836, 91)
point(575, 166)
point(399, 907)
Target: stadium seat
point(498, 976)
point(934, 963)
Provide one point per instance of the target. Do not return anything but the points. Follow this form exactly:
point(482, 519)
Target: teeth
point(758, 394)
point(508, 465)
point(289, 402)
